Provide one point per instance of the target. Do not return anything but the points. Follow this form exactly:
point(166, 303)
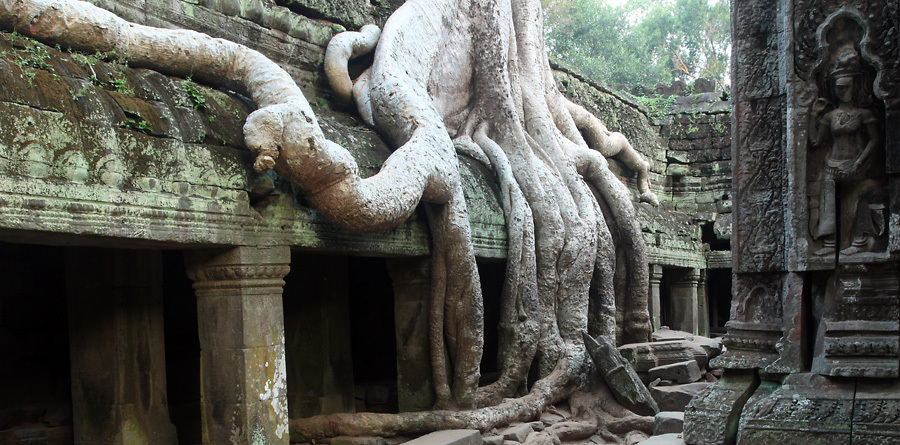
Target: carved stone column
point(317, 336)
point(702, 305)
point(116, 340)
point(656, 273)
point(241, 327)
point(684, 301)
point(412, 288)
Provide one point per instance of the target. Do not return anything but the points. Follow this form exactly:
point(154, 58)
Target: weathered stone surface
point(244, 389)
point(348, 440)
point(712, 346)
point(784, 415)
point(411, 279)
point(667, 422)
point(619, 375)
point(449, 437)
point(632, 423)
point(876, 406)
point(644, 356)
point(517, 433)
point(713, 415)
point(664, 439)
point(681, 372)
point(860, 333)
point(676, 397)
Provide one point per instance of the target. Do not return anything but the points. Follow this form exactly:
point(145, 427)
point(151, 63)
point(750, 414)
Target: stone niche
point(814, 333)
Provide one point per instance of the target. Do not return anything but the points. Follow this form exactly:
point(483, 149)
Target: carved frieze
point(712, 415)
point(807, 408)
point(860, 332)
point(759, 179)
point(756, 324)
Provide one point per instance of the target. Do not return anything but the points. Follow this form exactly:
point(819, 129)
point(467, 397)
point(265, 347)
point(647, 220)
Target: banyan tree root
point(448, 75)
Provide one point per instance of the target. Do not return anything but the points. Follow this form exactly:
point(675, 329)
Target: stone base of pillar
point(807, 408)
point(712, 416)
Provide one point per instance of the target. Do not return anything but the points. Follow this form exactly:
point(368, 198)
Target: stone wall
point(814, 330)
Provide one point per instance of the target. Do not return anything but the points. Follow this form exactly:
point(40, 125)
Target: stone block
point(667, 422)
point(493, 440)
point(681, 372)
point(712, 415)
point(665, 439)
point(242, 321)
point(619, 375)
point(517, 433)
point(644, 356)
point(807, 408)
point(449, 437)
point(348, 440)
point(549, 418)
point(676, 397)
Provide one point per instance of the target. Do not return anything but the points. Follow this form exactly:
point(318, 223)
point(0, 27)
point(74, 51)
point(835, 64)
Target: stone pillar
point(412, 287)
point(656, 273)
point(702, 304)
point(241, 327)
point(116, 341)
point(317, 336)
point(684, 301)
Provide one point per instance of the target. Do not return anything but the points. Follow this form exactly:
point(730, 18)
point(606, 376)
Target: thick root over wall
point(448, 76)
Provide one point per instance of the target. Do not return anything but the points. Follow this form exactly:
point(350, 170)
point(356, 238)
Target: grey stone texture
point(814, 223)
point(517, 433)
point(449, 437)
point(681, 372)
point(667, 422)
point(619, 376)
point(676, 397)
point(664, 439)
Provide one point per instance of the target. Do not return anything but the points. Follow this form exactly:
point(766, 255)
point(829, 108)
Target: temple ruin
point(159, 290)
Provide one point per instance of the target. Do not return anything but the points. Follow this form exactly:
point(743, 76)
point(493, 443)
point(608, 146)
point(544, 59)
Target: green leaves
point(642, 42)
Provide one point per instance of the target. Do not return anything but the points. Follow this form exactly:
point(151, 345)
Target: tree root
point(557, 386)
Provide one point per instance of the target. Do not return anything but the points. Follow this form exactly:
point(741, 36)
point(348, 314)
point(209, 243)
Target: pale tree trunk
point(448, 75)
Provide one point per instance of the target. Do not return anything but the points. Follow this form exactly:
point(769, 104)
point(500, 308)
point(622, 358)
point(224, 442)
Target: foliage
point(643, 42)
point(197, 100)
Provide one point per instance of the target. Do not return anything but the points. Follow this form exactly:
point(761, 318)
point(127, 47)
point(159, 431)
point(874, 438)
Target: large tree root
point(556, 387)
point(471, 75)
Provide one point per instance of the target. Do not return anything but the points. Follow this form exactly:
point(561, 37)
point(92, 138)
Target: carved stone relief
point(846, 182)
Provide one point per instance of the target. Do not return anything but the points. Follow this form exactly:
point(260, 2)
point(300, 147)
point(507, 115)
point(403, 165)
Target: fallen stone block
point(493, 440)
point(644, 356)
point(348, 440)
point(449, 437)
point(665, 439)
point(550, 418)
point(676, 397)
point(681, 372)
point(571, 430)
point(633, 423)
point(668, 422)
point(517, 433)
point(712, 346)
point(623, 382)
